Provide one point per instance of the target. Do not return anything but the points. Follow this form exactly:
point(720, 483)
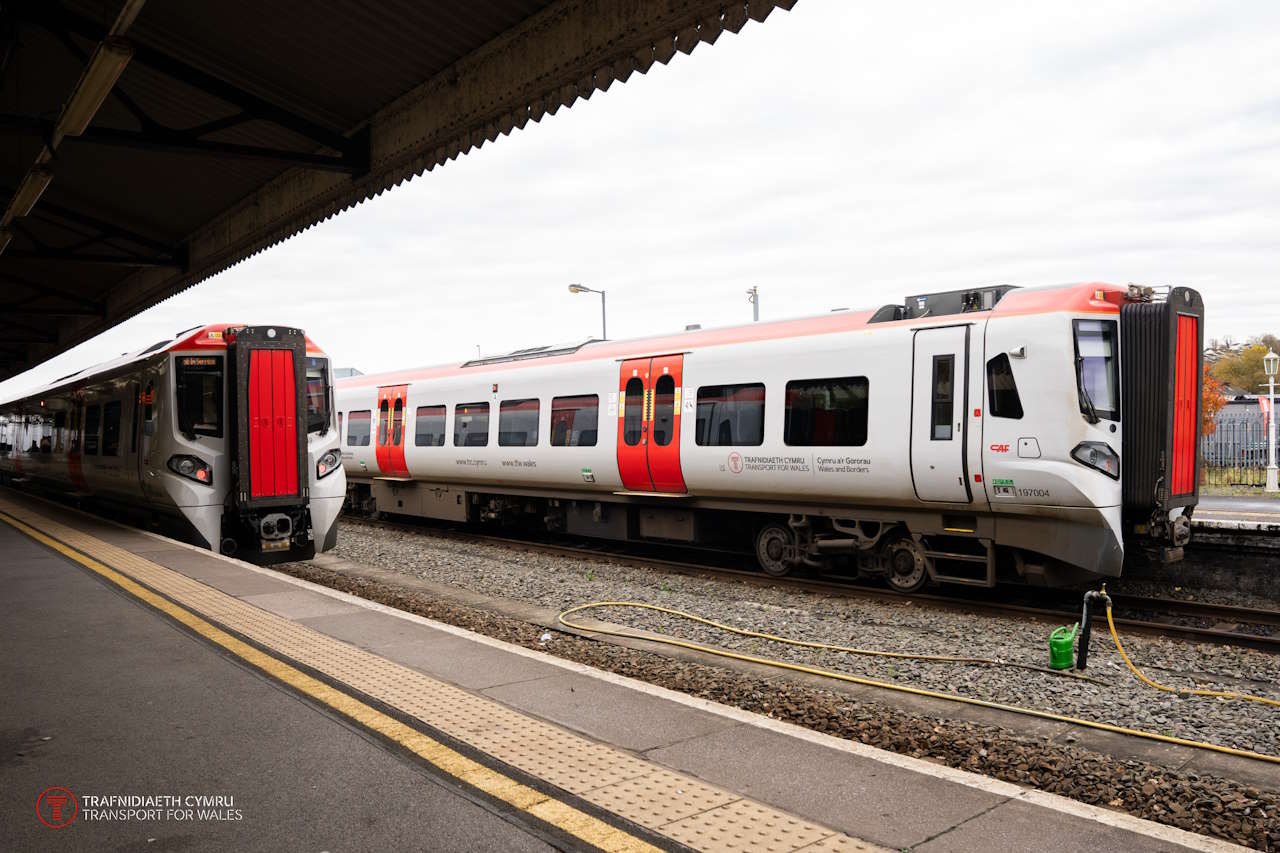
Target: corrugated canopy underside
point(237, 124)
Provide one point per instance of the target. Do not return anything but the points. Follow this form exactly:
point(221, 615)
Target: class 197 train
point(226, 432)
point(968, 437)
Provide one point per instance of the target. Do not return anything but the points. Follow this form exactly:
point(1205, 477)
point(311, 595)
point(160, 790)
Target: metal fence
point(1235, 454)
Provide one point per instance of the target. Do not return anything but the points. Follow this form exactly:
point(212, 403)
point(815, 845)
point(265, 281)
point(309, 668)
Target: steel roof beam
point(97, 258)
point(159, 138)
point(53, 312)
point(51, 290)
point(353, 151)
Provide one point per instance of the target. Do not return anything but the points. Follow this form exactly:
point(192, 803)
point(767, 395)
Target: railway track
point(1168, 617)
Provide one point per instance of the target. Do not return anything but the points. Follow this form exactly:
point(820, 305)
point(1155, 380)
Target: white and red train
point(963, 436)
point(226, 430)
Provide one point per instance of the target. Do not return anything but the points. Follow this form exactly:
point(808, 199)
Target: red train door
point(649, 424)
point(391, 430)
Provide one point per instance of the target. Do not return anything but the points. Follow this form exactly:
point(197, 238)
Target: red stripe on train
point(1185, 408)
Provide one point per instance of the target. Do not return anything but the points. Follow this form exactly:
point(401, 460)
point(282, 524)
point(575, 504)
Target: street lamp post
point(604, 326)
point(753, 296)
point(1271, 364)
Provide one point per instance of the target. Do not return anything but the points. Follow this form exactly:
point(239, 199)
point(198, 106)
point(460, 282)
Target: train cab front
point(287, 479)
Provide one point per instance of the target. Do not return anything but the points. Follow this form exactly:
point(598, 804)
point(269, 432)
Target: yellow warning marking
point(564, 817)
point(1237, 512)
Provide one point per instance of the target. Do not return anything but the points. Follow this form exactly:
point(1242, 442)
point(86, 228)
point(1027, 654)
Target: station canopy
point(145, 146)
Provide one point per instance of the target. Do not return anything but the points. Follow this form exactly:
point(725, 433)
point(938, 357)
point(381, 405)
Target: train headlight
point(1099, 456)
point(193, 468)
point(328, 463)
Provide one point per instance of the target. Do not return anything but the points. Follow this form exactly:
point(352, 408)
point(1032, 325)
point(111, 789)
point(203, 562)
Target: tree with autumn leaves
point(1211, 402)
point(1229, 365)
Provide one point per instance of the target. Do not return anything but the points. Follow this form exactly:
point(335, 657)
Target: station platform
point(147, 670)
point(1243, 514)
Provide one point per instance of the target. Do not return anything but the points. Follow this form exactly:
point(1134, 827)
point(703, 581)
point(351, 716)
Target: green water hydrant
point(1061, 647)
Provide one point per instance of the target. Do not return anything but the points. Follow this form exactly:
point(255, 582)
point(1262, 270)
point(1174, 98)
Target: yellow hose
point(871, 682)
point(1224, 694)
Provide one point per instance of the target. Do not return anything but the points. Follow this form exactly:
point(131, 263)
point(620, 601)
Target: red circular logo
point(59, 805)
point(735, 462)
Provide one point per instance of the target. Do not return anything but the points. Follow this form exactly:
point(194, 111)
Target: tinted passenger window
point(730, 415)
point(397, 423)
point(518, 423)
point(633, 412)
point(471, 425)
point(943, 396)
point(1002, 392)
point(826, 412)
point(111, 429)
point(384, 422)
point(200, 395)
point(574, 421)
point(664, 410)
point(428, 428)
point(92, 420)
point(358, 429)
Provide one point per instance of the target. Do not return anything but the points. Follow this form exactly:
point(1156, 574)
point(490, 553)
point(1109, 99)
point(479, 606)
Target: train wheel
point(775, 545)
point(907, 572)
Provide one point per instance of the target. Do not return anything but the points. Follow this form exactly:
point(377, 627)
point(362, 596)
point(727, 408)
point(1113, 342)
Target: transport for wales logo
point(56, 807)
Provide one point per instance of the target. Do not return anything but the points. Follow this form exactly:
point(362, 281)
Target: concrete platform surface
point(1246, 514)
point(139, 704)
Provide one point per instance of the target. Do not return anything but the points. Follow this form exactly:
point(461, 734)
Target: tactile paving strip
point(671, 804)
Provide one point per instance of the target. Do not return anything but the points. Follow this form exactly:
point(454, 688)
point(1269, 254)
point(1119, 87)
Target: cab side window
point(1002, 391)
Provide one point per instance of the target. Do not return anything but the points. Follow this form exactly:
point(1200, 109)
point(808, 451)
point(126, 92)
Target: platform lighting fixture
point(1270, 366)
point(29, 192)
point(99, 78)
point(604, 327)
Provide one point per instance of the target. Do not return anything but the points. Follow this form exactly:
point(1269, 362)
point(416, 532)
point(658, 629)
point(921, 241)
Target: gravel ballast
point(1204, 804)
point(559, 582)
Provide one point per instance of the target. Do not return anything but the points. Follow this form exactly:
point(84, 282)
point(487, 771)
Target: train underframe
point(906, 548)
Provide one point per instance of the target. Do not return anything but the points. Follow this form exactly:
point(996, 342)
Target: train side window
point(111, 429)
point(199, 389)
point(92, 420)
point(1002, 391)
point(339, 427)
point(575, 420)
point(471, 425)
point(358, 428)
point(943, 397)
point(384, 419)
point(397, 422)
point(664, 410)
point(826, 412)
point(633, 411)
point(59, 427)
point(518, 423)
point(730, 415)
point(428, 428)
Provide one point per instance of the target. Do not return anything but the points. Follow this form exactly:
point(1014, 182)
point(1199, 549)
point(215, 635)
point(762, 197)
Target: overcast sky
point(838, 155)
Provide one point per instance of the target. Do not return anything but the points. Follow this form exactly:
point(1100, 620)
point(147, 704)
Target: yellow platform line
point(563, 816)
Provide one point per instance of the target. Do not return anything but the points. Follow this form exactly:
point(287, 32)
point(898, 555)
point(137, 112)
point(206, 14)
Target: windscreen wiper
point(1091, 414)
